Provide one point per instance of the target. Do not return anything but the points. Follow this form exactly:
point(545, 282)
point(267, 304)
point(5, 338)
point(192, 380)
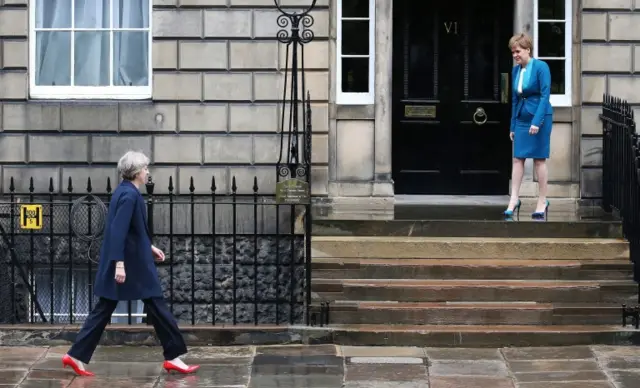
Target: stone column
point(523, 22)
point(383, 185)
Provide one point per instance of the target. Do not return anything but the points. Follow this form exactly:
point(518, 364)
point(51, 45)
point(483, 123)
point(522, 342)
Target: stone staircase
point(475, 283)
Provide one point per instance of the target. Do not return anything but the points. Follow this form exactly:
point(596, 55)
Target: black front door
point(451, 96)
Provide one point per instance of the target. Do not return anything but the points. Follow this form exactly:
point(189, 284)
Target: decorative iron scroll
point(87, 216)
point(293, 164)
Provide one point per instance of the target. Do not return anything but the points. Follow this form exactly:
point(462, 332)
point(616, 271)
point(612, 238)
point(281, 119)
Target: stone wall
point(610, 62)
point(215, 111)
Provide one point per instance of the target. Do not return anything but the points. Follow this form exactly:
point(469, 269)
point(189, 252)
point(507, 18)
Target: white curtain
point(67, 286)
point(53, 48)
point(131, 48)
point(78, 288)
point(92, 48)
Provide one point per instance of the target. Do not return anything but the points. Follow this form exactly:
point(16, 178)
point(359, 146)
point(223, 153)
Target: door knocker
point(480, 116)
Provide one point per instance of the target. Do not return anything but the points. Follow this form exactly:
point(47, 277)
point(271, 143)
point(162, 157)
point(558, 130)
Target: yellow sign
point(31, 216)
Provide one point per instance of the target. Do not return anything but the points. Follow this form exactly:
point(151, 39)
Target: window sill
point(89, 93)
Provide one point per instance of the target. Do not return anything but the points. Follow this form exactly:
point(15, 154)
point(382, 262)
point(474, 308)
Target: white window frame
point(558, 99)
point(86, 92)
point(345, 98)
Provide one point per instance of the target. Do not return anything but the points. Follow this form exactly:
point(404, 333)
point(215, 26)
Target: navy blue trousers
point(163, 322)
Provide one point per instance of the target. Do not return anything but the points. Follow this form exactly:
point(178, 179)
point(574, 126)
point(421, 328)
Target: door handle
point(480, 116)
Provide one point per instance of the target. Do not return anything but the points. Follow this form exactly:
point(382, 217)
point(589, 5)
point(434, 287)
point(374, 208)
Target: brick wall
point(610, 63)
point(217, 87)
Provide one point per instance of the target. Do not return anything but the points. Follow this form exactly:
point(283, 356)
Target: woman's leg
point(166, 328)
point(517, 172)
point(89, 336)
point(543, 177)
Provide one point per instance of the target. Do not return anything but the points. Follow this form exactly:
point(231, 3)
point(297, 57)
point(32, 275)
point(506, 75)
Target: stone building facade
point(214, 100)
point(213, 110)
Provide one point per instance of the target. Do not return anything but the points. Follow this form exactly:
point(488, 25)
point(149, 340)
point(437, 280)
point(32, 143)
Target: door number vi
point(451, 27)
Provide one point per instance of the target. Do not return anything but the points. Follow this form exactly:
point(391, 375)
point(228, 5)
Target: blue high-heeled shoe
point(541, 215)
point(516, 209)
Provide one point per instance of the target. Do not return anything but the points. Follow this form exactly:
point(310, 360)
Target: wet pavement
point(328, 366)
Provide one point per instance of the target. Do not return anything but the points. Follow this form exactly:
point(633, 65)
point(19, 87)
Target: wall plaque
point(421, 111)
point(293, 192)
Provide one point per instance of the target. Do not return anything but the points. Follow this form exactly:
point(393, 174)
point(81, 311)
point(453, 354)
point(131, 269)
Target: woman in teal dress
point(531, 121)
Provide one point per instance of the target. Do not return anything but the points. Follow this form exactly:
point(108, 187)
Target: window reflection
point(355, 75)
point(551, 10)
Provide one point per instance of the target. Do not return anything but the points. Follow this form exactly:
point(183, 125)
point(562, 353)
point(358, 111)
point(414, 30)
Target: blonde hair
point(523, 40)
point(131, 163)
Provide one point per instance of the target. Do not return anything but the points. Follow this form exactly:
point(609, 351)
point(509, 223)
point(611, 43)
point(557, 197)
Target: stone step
point(563, 227)
point(355, 268)
point(468, 313)
point(476, 290)
point(466, 336)
point(463, 336)
point(470, 248)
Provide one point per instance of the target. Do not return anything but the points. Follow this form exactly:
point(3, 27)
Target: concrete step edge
point(467, 305)
point(373, 328)
point(471, 282)
point(466, 240)
point(481, 262)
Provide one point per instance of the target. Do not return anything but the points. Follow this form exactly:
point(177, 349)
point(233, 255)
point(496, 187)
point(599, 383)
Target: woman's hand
point(157, 254)
point(533, 130)
point(120, 274)
point(511, 135)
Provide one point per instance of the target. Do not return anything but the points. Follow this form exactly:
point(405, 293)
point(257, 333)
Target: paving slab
point(618, 357)
point(21, 353)
point(43, 384)
point(329, 366)
point(13, 376)
point(111, 382)
point(553, 366)
point(567, 384)
point(543, 353)
point(463, 354)
point(469, 368)
point(625, 379)
point(386, 372)
point(470, 382)
point(385, 360)
point(386, 384)
point(561, 376)
point(298, 350)
point(381, 351)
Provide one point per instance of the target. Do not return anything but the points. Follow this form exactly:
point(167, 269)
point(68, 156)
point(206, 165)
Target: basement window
point(71, 292)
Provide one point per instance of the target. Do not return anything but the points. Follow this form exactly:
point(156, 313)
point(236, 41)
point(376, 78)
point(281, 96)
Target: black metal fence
point(621, 177)
point(230, 258)
point(621, 170)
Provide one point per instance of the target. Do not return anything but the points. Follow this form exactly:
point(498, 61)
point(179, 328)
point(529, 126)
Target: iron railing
point(621, 180)
point(231, 258)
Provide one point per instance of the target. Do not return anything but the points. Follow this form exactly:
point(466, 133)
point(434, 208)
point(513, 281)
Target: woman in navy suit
point(531, 121)
point(127, 271)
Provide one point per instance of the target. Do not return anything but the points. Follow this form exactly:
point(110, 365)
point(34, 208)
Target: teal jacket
point(535, 93)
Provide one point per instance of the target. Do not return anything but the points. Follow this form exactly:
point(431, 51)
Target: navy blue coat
point(127, 239)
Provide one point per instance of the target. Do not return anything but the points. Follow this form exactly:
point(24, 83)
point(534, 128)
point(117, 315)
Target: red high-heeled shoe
point(68, 361)
point(169, 366)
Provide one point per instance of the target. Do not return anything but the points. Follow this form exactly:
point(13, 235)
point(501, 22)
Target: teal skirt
point(535, 146)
